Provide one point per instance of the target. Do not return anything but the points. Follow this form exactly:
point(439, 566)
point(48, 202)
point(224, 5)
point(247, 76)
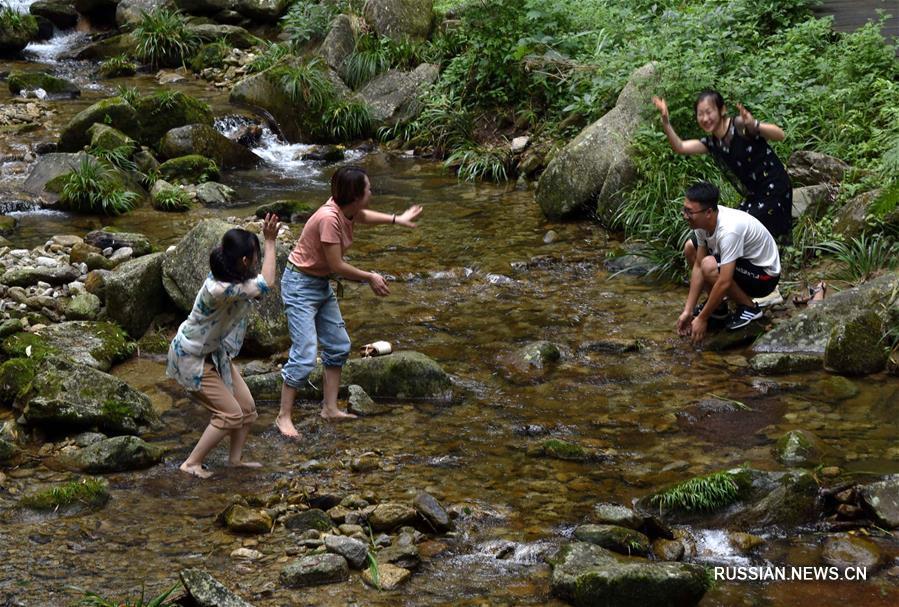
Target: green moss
point(115, 345)
point(19, 81)
point(18, 345)
point(161, 112)
point(16, 376)
point(190, 169)
point(117, 410)
point(154, 342)
point(564, 450)
point(209, 55)
point(91, 492)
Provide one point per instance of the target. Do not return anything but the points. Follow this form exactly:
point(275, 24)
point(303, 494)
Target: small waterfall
point(54, 50)
point(714, 546)
point(509, 553)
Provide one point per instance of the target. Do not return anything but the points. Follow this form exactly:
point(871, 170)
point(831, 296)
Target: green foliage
point(129, 93)
point(89, 491)
point(702, 493)
point(443, 123)
point(163, 38)
point(368, 59)
point(90, 189)
point(348, 119)
point(308, 83)
point(120, 65)
point(210, 55)
point(92, 599)
point(270, 56)
point(172, 200)
point(488, 162)
point(862, 257)
point(119, 156)
point(11, 20)
point(166, 100)
point(308, 20)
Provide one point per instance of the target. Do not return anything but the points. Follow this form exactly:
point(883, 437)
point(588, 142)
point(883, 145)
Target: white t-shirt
point(739, 235)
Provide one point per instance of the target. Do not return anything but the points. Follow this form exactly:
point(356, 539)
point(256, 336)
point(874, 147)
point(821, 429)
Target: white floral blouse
point(215, 327)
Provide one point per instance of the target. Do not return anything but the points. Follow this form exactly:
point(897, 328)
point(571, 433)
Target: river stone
point(799, 448)
point(400, 18)
point(115, 454)
point(7, 451)
point(206, 591)
point(849, 551)
point(315, 570)
point(205, 140)
point(668, 550)
point(401, 555)
point(572, 560)
point(30, 81)
point(114, 112)
point(83, 306)
point(214, 194)
point(361, 403)
point(185, 269)
point(73, 397)
point(129, 13)
point(241, 519)
point(189, 169)
point(612, 537)
point(856, 345)
point(393, 96)
point(389, 516)
point(882, 498)
point(852, 219)
point(233, 35)
point(109, 138)
point(89, 255)
point(48, 167)
point(724, 339)
point(745, 542)
point(390, 577)
point(810, 330)
point(777, 363)
point(60, 13)
point(106, 238)
point(835, 388)
point(157, 115)
point(613, 514)
point(812, 201)
point(107, 48)
point(10, 326)
point(308, 519)
point(14, 39)
point(95, 344)
point(339, 43)
point(135, 295)
point(261, 10)
point(430, 509)
point(595, 166)
point(25, 276)
point(808, 168)
point(354, 551)
point(404, 374)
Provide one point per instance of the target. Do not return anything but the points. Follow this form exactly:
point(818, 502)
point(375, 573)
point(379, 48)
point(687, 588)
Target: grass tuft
point(164, 39)
point(702, 493)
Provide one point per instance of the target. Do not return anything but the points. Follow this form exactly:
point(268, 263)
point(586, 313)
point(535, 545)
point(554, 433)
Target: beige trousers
point(229, 410)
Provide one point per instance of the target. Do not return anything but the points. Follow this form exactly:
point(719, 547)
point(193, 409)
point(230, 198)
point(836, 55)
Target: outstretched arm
point(688, 147)
point(269, 233)
point(753, 126)
point(339, 266)
point(406, 218)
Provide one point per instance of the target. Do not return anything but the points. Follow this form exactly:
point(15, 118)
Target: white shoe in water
point(771, 299)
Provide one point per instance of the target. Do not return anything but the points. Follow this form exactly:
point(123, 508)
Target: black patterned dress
point(758, 174)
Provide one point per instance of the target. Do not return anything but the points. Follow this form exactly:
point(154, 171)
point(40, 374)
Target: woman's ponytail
point(226, 260)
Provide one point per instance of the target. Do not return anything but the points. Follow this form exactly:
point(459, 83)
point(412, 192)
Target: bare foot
point(195, 469)
point(336, 414)
point(286, 427)
point(243, 464)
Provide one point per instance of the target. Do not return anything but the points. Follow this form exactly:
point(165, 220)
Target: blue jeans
point(313, 317)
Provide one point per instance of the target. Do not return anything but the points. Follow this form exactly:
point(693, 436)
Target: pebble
point(122, 255)
point(46, 262)
point(247, 554)
point(107, 251)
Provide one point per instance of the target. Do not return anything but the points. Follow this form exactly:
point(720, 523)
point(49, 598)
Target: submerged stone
point(206, 591)
point(799, 448)
point(618, 539)
point(241, 519)
point(882, 498)
point(308, 519)
point(850, 551)
point(69, 498)
point(614, 514)
point(115, 454)
point(315, 570)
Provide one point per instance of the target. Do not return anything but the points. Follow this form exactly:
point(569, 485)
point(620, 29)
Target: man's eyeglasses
point(688, 213)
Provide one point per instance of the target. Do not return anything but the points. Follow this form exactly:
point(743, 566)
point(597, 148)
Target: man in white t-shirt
point(736, 257)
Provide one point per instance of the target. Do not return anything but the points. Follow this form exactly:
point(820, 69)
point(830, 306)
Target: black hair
point(712, 94)
point(348, 184)
point(225, 259)
point(705, 194)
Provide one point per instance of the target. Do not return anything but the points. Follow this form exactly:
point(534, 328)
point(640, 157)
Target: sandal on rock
point(821, 287)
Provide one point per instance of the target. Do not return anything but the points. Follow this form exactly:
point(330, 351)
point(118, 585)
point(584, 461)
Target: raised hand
point(661, 106)
point(747, 118)
point(270, 226)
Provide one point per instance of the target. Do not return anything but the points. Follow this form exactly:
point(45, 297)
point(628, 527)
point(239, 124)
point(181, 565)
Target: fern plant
point(308, 84)
point(863, 256)
point(89, 189)
point(163, 38)
point(346, 120)
point(702, 493)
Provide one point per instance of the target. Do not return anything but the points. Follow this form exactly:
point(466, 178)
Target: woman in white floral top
point(200, 354)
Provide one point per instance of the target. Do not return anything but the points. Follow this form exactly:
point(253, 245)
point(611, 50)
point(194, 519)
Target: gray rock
point(102, 239)
point(135, 295)
point(96, 344)
point(778, 363)
point(339, 43)
point(573, 559)
point(808, 168)
point(855, 346)
point(596, 165)
point(69, 396)
point(401, 555)
point(390, 577)
point(613, 514)
point(130, 12)
point(214, 194)
point(207, 591)
point(389, 516)
point(354, 551)
point(430, 509)
point(83, 306)
point(392, 96)
point(185, 269)
point(233, 35)
point(261, 10)
point(106, 48)
point(308, 519)
point(882, 498)
point(115, 454)
point(19, 82)
point(799, 448)
point(851, 220)
point(530, 362)
point(114, 112)
point(205, 140)
point(24, 276)
point(812, 201)
point(400, 18)
point(361, 403)
point(60, 13)
point(612, 537)
point(8, 451)
point(315, 570)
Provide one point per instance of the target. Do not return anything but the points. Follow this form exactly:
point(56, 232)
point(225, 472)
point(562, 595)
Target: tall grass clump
point(862, 257)
point(92, 599)
point(172, 200)
point(483, 162)
point(309, 20)
point(346, 120)
point(270, 56)
point(307, 83)
point(702, 493)
point(369, 58)
point(164, 39)
point(89, 188)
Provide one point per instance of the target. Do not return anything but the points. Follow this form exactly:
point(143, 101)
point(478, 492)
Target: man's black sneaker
point(720, 313)
point(743, 316)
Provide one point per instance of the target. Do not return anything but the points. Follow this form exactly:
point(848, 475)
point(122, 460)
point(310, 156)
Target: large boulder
point(400, 18)
point(855, 345)
point(882, 499)
point(851, 220)
point(392, 96)
point(95, 344)
point(158, 114)
point(53, 86)
point(115, 454)
point(114, 112)
point(185, 269)
point(261, 10)
point(134, 293)
point(204, 140)
point(16, 36)
point(810, 331)
point(206, 591)
point(60, 13)
point(808, 168)
point(128, 13)
point(189, 169)
point(812, 200)
point(339, 43)
point(107, 48)
point(589, 575)
point(67, 396)
point(590, 172)
point(48, 167)
point(233, 35)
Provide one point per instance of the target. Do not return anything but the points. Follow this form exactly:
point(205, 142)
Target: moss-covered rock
point(116, 454)
point(308, 519)
point(83, 306)
point(134, 293)
point(856, 345)
point(109, 237)
point(776, 363)
point(30, 81)
point(204, 140)
point(158, 114)
point(206, 590)
point(564, 450)
point(7, 225)
point(208, 56)
point(799, 448)
point(109, 138)
point(16, 375)
point(290, 211)
point(192, 168)
point(15, 35)
point(114, 112)
point(233, 36)
point(615, 538)
point(68, 396)
point(400, 18)
point(95, 344)
point(315, 570)
point(25, 276)
point(114, 46)
point(27, 345)
point(69, 498)
point(60, 13)
point(116, 67)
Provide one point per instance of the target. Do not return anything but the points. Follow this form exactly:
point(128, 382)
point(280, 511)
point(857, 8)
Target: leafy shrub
point(370, 57)
point(443, 122)
point(163, 38)
point(119, 156)
point(90, 189)
point(173, 200)
point(862, 257)
point(270, 56)
point(128, 93)
point(492, 163)
point(120, 65)
point(307, 83)
point(308, 20)
point(709, 492)
point(349, 119)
